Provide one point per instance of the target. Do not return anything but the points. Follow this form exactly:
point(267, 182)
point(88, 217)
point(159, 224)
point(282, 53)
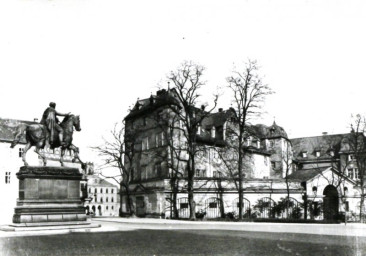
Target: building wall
point(103, 197)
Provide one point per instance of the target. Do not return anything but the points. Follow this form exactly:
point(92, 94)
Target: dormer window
point(304, 154)
point(317, 153)
point(199, 130)
point(213, 132)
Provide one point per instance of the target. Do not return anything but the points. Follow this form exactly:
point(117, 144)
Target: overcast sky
point(96, 57)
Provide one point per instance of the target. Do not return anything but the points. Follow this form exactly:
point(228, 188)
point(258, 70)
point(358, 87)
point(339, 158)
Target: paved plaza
point(119, 236)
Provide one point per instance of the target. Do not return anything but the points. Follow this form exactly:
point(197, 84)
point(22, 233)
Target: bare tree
point(249, 93)
point(357, 146)
point(174, 157)
point(287, 157)
point(187, 81)
point(117, 153)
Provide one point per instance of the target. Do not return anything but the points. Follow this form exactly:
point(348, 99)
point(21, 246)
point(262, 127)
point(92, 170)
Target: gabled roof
point(323, 144)
point(101, 182)
point(267, 132)
point(8, 129)
point(307, 174)
point(144, 106)
point(217, 119)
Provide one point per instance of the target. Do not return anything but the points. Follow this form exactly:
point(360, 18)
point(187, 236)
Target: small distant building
point(102, 197)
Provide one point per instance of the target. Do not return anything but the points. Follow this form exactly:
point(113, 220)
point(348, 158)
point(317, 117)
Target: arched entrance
point(100, 210)
point(87, 210)
point(93, 210)
point(331, 203)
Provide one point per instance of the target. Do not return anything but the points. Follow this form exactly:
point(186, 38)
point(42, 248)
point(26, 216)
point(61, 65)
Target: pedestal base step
point(41, 226)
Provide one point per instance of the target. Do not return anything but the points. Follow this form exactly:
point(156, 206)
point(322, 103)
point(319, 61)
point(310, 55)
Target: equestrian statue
point(51, 134)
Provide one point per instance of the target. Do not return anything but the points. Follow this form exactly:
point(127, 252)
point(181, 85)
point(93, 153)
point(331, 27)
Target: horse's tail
point(18, 134)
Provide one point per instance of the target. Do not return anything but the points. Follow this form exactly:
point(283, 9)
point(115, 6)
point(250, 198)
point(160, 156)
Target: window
point(317, 153)
point(112, 199)
point(101, 190)
point(315, 190)
point(212, 205)
point(145, 143)
point(106, 190)
point(346, 206)
point(95, 191)
point(273, 165)
point(160, 116)
point(106, 199)
point(112, 207)
point(89, 190)
point(198, 173)
point(331, 153)
point(21, 150)
point(143, 173)
point(157, 170)
point(101, 199)
point(213, 132)
point(7, 177)
point(304, 154)
point(112, 191)
point(183, 205)
point(160, 139)
point(353, 173)
point(106, 207)
point(271, 143)
point(199, 130)
point(132, 176)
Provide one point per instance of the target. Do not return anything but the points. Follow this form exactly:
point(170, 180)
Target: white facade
point(102, 196)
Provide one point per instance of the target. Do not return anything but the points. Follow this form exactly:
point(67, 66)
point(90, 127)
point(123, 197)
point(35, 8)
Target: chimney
point(220, 109)
point(35, 119)
point(324, 133)
point(202, 107)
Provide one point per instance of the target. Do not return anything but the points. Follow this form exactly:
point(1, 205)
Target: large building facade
point(274, 167)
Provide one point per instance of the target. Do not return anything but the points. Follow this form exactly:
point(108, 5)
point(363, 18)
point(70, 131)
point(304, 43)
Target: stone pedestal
point(49, 195)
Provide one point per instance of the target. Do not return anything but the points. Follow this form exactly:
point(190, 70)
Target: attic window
point(213, 132)
point(199, 130)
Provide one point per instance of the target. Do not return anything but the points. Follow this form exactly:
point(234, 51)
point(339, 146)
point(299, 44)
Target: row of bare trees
point(249, 93)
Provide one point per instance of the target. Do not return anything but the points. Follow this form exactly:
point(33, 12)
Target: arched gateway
point(331, 203)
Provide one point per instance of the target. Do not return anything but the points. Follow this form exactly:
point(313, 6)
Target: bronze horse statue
point(37, 135)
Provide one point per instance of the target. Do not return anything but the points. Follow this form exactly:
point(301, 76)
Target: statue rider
point(50, 120)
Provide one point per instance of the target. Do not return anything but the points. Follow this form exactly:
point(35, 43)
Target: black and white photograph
point(196, 127)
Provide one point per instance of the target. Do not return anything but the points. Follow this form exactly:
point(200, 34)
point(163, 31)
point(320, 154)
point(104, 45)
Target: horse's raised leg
point(24, 155)
point(41, 155)
point(62, 156)
point(76, 153)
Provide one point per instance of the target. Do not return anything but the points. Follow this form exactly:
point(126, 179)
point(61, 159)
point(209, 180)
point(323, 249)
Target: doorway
point(331, 203)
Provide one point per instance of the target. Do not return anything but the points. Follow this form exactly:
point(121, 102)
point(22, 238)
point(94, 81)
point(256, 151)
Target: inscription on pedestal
point(49, 194)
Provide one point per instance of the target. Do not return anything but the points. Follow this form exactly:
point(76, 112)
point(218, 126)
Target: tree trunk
point(192, 204)
point(120, 199)
point(362, 202)
point(174, 183)
point(240, 164)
